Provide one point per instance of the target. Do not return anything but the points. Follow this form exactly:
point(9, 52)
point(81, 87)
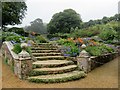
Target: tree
point(105, 20)
point(37, 26)
point(62, 22)
point(13, 12)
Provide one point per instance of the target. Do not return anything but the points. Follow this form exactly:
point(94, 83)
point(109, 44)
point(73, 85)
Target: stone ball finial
point(24, 45)
point(83, 46)
point(24, 53)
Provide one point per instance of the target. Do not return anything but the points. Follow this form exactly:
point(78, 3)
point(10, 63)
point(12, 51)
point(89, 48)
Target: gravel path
point(105, 76)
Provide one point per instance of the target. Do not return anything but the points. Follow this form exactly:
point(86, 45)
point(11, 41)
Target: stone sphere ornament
point(24, 46)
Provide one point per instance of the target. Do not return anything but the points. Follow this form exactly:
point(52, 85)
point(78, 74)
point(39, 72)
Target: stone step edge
point(37, 72)
point(50, 57)
point(45, 54)
point(76, 76)
point(44, 48)
point(40, 65)
point(37, 51)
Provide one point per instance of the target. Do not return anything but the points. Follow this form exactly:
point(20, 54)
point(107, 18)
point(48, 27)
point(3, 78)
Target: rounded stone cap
point(84, 53)
point(24, 45)
point(24, 54)
point(83, 46)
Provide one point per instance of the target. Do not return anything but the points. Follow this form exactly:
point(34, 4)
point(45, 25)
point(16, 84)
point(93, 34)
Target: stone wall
point(87, 63)
point(101, 60)
point(20, 66)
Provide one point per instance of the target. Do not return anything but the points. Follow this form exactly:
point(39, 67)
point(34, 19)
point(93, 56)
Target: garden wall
point(87, 63)
point(20, 66)
point(101, 60)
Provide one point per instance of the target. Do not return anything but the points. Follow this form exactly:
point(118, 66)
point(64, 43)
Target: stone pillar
point(83, 60)
point(25, 62)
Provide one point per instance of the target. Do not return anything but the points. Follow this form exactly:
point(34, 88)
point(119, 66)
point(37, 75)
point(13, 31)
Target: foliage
point(69, 48)
point(17, 48)
point(41, 39)
point(19, 31)
point(13, 12)
point(87, 32)
point(62, 22)
point(58, 35)
point(16, 39)
point(99, 50)
point(104, 20)
point(61, 41)
point(108, 33)
point(28, 49)
point(37, 26)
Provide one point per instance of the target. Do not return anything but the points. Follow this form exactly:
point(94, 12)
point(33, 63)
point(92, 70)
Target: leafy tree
point(62, 22)
point(13, 12)
point(37, 26)
point(19, 31)
point(105, 20)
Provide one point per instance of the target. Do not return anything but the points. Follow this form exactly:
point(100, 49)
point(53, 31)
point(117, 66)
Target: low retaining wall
point(89, 63)
point(20, 66)
point(100, 60)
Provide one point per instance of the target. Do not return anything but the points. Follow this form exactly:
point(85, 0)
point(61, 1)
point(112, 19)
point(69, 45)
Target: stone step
point(45, 51)
point(50, 58)
point(44, 47)
point(46, 54)
point(56, 70)
point(51, 63)
point(42, 44)
point(57, 78)
point(37, 48)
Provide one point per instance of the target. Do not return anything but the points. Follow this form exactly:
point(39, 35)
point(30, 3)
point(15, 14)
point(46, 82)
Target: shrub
point(69, 47)
point(17, 39)
point(28, 49)
point(61, 41)
point(41, 39)
point(99, 50)
point(94, 51)
point(107, 34)
point(17, 48)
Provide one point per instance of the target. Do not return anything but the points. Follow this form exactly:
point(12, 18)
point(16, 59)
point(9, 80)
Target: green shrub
point(17, 48)
point(107, 34)
point(94, 51)
point(41, 39)
point(28, 49)
point(99, 50)
point(15, 38)
point(61, 41)
point(69, 47)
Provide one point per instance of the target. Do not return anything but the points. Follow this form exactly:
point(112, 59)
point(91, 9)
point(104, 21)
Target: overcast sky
point(88, 9)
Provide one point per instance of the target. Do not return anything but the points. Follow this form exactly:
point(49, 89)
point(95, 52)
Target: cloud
point(88, 9)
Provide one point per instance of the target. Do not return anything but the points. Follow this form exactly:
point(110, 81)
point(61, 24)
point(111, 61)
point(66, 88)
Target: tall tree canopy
point(13, 12)
point(62, 22)
point(37, 26)
point(104, 20)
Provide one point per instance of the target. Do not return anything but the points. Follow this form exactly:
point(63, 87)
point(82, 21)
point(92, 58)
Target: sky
point(88, 9)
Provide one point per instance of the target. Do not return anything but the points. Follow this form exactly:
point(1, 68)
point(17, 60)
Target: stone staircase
point(51, 67)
